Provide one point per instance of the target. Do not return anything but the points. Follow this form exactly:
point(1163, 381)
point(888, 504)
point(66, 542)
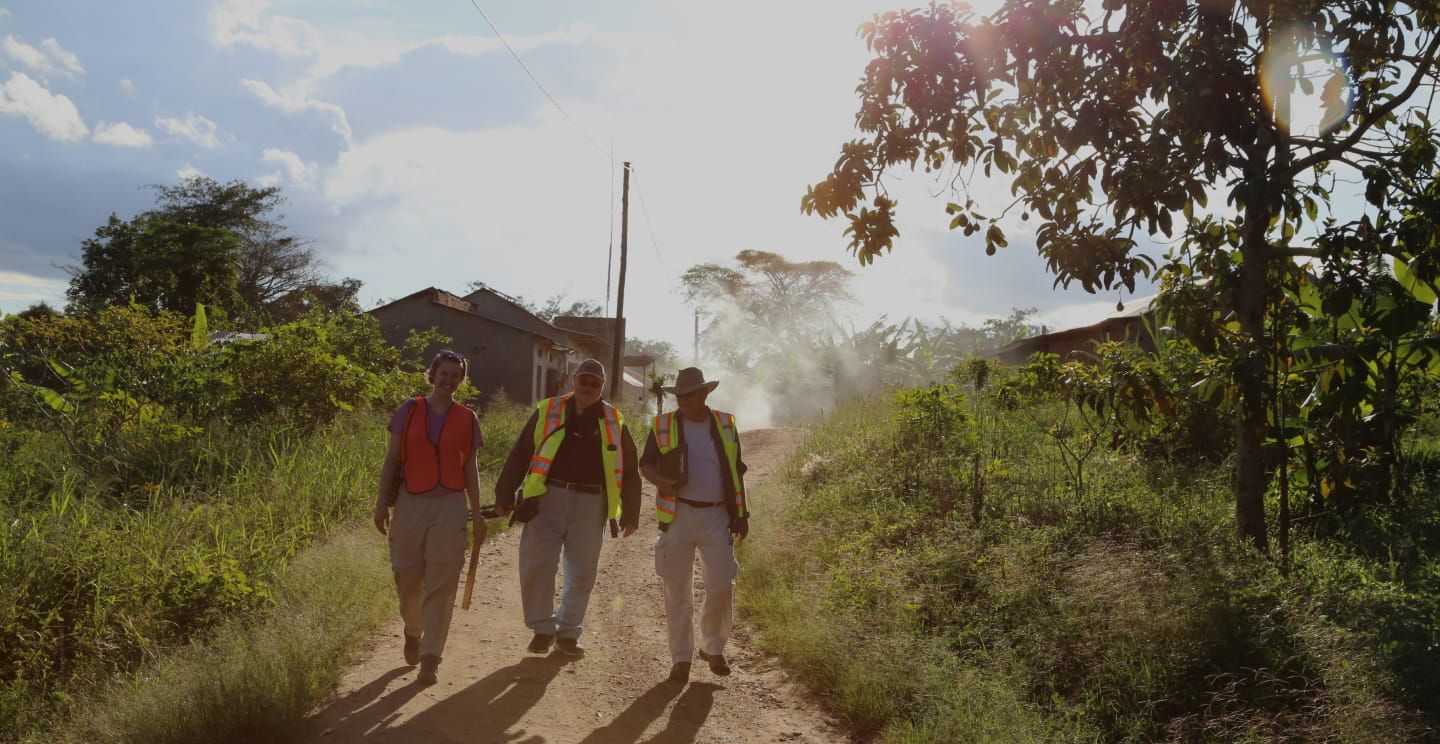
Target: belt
point(698, 504)
point(581, 487)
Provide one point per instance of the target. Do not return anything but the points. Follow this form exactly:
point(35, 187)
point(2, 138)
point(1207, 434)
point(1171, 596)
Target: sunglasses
point(450, 355)
point(587, 381)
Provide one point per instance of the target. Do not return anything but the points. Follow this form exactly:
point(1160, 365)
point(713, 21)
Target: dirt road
point(491, 690)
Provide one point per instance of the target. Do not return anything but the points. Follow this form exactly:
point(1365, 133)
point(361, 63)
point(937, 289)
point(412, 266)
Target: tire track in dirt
point(491, 690)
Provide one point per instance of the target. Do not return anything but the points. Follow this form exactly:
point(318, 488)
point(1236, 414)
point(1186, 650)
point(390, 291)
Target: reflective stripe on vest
point(427, 464)
point(550, 419)
point(667, 437)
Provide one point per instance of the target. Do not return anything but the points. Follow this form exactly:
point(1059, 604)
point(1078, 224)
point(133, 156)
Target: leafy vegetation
point(160, 474)
point(1118, 123)
point(1110, 607)
point(222, 245)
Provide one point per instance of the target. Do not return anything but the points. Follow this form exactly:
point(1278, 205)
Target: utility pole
point(617, 371)
point(697, 336)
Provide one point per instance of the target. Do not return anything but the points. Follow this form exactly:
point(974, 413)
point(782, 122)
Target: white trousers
point(708, 531)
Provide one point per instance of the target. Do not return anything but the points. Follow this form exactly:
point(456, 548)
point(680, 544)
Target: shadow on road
point(486, 710)
point(359, 712)
point(686, 718)
point(632, 722)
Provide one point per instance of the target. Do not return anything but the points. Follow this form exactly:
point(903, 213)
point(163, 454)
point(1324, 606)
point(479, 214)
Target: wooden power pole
point(617, 370)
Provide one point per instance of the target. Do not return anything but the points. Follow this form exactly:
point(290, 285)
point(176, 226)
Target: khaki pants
point(427, 549)
point(707, 531)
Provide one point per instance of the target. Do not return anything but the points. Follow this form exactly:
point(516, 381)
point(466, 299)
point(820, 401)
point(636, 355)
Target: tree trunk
point(1250, 431)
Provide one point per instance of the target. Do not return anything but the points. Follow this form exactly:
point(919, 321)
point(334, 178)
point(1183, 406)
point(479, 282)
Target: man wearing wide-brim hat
point(693, 457)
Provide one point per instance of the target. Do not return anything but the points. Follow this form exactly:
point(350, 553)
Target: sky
point(414, 151)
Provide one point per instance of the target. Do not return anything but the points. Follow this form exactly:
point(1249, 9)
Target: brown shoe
point(412, 649)
point(717, 663)
point(680, 672)
point(428, 664)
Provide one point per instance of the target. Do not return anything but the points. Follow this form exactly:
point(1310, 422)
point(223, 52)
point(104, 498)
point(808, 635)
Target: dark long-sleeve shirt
point(578, 460)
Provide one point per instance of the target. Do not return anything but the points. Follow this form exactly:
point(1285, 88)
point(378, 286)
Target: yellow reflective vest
point(549, 420)
point(667, 429)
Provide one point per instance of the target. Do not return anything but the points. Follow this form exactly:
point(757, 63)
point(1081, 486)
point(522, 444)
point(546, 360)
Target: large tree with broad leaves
point(1113, 121)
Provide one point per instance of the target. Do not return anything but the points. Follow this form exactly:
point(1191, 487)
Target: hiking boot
point(428, 664)
point(570, 647)
point(540, 643)
point(717, 663)
point(412, 649)
point(680, 672)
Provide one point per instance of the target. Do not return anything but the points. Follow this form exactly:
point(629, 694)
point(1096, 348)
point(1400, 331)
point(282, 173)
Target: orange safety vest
point(428, 465)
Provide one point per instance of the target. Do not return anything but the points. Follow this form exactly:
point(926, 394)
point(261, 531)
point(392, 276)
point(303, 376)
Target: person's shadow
point(688, 715)
point(685, 720)
point(359, 712)
point(486, 710)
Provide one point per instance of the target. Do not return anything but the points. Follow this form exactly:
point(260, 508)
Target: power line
point(648, 225)
point(610, 259)
point(537, 83)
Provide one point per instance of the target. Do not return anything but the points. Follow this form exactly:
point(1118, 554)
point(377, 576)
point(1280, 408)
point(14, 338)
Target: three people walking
point(572, 469)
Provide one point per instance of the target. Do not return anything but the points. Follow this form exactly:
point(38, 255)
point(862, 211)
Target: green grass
point(1123, 612)
point(94, 588)
point(254, 681)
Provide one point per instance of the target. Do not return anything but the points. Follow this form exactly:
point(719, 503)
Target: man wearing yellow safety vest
point(574, 466)
point(693, 457)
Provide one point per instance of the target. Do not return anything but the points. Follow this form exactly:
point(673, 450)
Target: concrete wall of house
point(501, 358)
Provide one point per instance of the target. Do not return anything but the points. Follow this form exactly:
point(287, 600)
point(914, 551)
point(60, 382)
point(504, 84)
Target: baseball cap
point(591, 367)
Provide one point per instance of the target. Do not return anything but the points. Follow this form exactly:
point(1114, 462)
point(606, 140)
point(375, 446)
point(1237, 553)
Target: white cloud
point(25, 54)
point(127, 86)
point(194, 128)
point(16, 278)
point(68, 61)
point(294, 100)
point(292, 167)
point(52, 114)
point(122, 134)
point(49, 60)
point(188, 171)
point(246, 22)
point(19, 291)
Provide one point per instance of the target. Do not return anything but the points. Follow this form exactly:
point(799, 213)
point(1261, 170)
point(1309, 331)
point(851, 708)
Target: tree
point(157, 263)
point(1110, 123)
point(766, 303)
point(665, 353)
point(558, 305)
point(269, 275)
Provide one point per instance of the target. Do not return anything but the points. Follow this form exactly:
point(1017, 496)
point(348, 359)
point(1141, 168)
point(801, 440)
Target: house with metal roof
point(1070, 344)
point(509, 348)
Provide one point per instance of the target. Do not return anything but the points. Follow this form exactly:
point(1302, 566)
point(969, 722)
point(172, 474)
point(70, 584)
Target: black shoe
point(717, 663)
point(540, 643)
point(570, 647)
point(428, 664)
point(680, 672)
point(412, 649)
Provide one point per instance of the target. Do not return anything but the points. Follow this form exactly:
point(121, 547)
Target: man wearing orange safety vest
point(574, 466)
point(693, 457)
